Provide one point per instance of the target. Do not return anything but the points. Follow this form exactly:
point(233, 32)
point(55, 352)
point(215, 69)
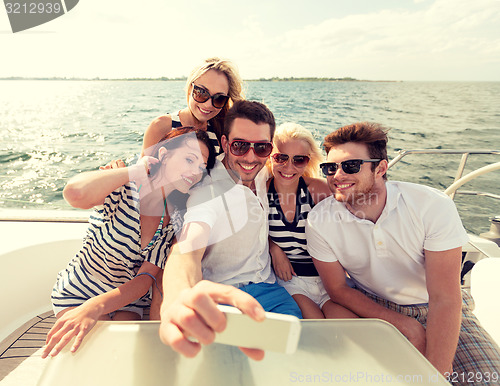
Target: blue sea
point(52, 130)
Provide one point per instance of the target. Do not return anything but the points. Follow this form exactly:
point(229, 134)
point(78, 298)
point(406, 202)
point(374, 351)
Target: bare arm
point(445, 304)
point(333, 277)
point(156, 130)
point(318, 188)
point(89, 189)
point(80, 320)
point(189, 308)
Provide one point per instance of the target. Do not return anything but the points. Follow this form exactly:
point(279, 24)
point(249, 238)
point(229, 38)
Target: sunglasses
point(297, 160)
point(201, 95)
point(351, 166)
point(261, 149)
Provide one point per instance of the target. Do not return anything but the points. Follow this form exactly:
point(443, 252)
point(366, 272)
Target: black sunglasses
point(201, 95)
point(297, 160)
point(351, 166)
point(261, 149)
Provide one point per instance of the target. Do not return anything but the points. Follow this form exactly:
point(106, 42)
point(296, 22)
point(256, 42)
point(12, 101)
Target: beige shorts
point(310, 286)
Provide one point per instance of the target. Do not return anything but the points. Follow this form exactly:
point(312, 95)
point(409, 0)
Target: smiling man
point(401, 245)
point(225, 240)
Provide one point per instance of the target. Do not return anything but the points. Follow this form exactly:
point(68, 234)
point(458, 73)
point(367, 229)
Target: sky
point(422, 40)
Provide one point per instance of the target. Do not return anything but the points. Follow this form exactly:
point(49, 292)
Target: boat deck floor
point(24, 343)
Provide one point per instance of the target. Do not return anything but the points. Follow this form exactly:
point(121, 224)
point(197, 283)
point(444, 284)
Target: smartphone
point(278, 332)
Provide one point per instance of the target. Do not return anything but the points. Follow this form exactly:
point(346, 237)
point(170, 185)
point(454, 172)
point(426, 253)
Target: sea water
point(52, 130)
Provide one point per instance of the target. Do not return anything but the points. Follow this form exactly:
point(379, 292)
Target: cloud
point(436, 40)
point(396, 43)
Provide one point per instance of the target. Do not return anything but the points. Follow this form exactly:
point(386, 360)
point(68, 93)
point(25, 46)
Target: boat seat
point(485, 288)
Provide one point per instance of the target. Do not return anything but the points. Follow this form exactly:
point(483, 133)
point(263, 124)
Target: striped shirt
point(176, 122)
point(111, 254)
point(290, 236)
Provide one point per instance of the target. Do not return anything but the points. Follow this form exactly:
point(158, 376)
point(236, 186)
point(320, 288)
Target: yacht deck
point(24, 343)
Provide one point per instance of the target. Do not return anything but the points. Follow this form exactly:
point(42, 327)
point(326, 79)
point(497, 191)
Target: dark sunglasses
point(297, 160)
point(351, 166)
point(201, 95)
point(261, 149)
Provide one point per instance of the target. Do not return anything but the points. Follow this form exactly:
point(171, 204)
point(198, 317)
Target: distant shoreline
point(165, 79)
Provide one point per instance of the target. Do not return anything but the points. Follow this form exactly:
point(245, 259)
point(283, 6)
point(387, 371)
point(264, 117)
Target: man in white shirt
point(400, 244)
point(225, 240)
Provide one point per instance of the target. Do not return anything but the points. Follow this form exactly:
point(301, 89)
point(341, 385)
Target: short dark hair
point(373, 135)
point(254, 111)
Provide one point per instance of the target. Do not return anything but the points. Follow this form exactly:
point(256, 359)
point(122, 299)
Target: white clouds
point(398, 42)
point(441, 39)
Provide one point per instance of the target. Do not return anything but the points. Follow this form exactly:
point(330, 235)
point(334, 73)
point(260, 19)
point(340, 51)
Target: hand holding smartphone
point(278, 332)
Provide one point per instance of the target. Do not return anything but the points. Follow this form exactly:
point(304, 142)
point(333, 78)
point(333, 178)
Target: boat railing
point(460, 179)
point(44, 215)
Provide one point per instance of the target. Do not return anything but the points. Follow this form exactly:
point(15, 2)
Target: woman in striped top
point(294, 189)
point(211, 89)
point(129, 236)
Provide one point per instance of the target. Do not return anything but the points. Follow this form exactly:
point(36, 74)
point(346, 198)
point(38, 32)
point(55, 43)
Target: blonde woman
point(211, 89)
point(293, 191)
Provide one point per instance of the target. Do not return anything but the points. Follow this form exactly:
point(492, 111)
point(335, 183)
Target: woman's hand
point(115, 164)
point(75, 322)
point(281, 264)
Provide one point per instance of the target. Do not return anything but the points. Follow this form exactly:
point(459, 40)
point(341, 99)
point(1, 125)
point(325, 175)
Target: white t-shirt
point(386, 258)
point(238, 249)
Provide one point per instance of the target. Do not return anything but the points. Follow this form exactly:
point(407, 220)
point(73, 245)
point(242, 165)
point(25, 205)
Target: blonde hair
point(236, 93)
point(293, 131)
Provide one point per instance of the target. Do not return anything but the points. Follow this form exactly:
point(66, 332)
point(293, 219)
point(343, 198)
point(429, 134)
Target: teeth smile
point(204, 111)
point(188, 180)
point(287, 175)
point(343, 186)
point(251, 167)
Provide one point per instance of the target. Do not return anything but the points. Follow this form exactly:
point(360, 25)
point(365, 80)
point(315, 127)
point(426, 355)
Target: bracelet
point(154, 279)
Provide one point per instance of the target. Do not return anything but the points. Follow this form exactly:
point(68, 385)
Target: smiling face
point(288, 173)
point(352, 189)
point(184, 166)
point(245, 167)
point(214, 82)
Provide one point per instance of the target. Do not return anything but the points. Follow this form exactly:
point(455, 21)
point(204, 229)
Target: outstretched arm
point(189, 309)
point(80, 320)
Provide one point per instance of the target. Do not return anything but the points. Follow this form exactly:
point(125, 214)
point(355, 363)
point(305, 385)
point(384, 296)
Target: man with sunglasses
point(401, 245)
point(225, 240)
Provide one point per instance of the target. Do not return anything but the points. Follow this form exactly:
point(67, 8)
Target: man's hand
point(414, 332)
point(193, 318)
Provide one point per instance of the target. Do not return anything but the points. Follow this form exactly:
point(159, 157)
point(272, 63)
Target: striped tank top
point(290, 236)
point(176, 122)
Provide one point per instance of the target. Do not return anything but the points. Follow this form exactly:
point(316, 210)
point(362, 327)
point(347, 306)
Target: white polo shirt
point(238, 249)
point(386, 258)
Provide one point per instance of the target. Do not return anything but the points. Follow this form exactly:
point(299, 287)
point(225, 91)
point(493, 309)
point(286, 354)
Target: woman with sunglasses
point(211, 89)
point(293, 191)
point(129, 237)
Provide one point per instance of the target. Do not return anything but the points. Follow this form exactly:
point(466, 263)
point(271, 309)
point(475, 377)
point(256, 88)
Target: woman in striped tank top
point(211, 89)
point(294, 189)
point(129, 237)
